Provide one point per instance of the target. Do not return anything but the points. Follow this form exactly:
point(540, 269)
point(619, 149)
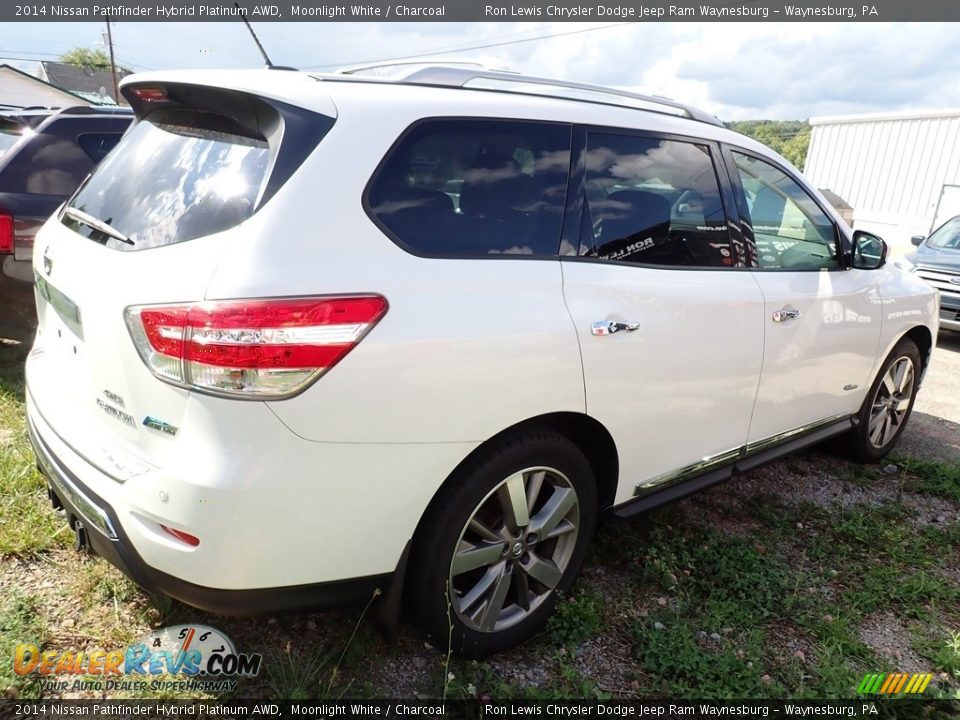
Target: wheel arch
point(921, 335)
point(587, 433)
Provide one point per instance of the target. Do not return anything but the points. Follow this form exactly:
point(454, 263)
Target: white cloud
point(735, 70)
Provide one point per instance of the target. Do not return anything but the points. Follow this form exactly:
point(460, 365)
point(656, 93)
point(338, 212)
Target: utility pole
point(113, 65)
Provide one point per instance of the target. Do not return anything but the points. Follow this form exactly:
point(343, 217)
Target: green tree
point(85, 57)
point(795, 149)
point(790, 138)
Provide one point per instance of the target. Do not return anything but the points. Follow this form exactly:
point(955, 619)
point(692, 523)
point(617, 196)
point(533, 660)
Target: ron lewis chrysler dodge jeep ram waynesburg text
point(303, 336)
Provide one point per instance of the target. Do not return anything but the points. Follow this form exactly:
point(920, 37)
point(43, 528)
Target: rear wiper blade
point(99, 225)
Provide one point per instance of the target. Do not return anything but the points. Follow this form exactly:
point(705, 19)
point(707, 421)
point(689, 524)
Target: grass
point(21, 622)
point(27, 527)
point(939, 479)
point(735, 593)
point(300, 676)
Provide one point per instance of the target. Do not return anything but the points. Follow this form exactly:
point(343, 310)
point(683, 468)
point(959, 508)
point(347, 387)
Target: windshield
point(947, 235)
point(175, 176)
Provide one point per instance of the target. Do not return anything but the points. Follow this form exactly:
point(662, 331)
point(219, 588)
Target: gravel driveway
point(934, 429)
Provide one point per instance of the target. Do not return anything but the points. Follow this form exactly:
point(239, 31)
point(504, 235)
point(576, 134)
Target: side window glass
point(790, 229)
point(462, 188)
point(655, 201)
point(97, 145)
point(947, 235)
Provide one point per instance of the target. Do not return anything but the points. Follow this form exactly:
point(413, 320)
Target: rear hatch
point(149, 226)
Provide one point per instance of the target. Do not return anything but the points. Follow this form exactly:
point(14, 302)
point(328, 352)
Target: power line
point(3, 53)
point(484, 46)
point(4, 56)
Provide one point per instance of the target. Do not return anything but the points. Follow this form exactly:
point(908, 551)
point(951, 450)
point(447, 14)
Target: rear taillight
point(251, 348)
point(150, 94)
point(6, 234)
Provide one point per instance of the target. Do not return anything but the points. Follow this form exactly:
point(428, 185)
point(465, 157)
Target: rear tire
point(502, 539)
point(888, 404)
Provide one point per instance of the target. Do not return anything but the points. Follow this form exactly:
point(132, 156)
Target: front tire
point(504, 537)
point(888, 405)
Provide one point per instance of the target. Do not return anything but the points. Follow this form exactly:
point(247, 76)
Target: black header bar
point(136, 709)
point(483, 11)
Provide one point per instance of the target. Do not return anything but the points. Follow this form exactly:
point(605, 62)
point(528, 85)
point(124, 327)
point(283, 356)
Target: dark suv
point(44, 155)
point(937, 260)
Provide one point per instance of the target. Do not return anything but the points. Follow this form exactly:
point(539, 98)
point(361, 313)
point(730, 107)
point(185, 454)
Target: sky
point(737, 71)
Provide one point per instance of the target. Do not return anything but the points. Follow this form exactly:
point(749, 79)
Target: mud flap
point(387, 609)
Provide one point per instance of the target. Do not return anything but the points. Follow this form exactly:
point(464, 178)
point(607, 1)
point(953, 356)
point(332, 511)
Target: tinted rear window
point(467, 188)
point(177, 175)
point(97, 145)
point(45, 165)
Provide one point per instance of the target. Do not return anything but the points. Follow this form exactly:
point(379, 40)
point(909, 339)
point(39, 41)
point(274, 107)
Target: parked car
point(937, 260)
point(44, 155)
point(305, 337)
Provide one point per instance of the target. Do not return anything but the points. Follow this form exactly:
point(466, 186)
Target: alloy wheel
point(891, 402)
point(514, 549)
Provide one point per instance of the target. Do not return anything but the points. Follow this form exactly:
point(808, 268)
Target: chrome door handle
point(609, 327)
point(784, 315)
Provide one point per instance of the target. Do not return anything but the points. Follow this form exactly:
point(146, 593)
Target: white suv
point(302, 337)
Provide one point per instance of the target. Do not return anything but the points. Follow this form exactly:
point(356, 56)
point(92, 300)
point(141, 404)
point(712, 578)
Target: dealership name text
point(627, 12)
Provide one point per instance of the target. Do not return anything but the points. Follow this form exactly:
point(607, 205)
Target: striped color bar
point(894, 683)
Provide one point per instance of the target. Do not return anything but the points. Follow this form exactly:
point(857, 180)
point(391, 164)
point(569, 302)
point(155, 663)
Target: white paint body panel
point(695, 358)
point(809, 360)
point(467, 349)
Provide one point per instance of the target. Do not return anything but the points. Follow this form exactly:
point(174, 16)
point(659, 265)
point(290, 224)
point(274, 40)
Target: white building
point(899, 171)
point(19, 89)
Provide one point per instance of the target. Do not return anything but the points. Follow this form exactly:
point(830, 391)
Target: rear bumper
point(105, 535)
point(17, 269)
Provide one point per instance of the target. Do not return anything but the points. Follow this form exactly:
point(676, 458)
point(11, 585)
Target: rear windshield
point(176, 175)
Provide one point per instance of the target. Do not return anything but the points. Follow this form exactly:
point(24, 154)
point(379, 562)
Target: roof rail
point(97, 110)
point(476, 77)
point(478, 65)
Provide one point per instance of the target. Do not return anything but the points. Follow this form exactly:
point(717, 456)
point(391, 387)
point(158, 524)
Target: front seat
point(636, 228)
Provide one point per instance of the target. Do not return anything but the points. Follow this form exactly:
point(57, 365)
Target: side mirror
point(917, 239)
point(869, 251)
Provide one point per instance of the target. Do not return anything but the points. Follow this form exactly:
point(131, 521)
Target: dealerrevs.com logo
point(186, 657)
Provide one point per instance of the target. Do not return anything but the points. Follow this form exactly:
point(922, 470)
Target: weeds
point(21, 622)
point(299, 678)
point(935, 478)
point(576, 618)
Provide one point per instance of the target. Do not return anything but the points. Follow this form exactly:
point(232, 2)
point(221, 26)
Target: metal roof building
point(899, 171)
point(20, 89)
